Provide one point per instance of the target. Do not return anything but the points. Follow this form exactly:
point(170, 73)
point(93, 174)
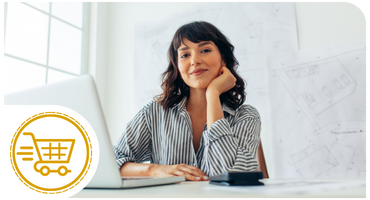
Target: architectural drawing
point(317, 102)
point(317, 86)
point(320, 161)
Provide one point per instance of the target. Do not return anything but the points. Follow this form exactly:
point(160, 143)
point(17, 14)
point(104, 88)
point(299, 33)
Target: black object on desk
point(237, 178)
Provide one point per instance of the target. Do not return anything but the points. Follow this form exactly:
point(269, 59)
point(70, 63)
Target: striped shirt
point(166, 138)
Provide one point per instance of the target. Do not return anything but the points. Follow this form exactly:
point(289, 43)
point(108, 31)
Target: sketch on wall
point(317, 86)
point(318, 108)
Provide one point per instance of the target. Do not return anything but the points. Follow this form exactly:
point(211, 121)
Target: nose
point(195, 59)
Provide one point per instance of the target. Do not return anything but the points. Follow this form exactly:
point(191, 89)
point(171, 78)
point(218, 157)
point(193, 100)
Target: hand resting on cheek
point(224, 82)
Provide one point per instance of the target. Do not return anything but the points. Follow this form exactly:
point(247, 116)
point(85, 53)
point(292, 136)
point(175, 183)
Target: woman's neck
point(197, 102)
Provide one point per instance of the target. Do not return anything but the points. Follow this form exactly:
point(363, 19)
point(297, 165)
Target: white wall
point(325, 24)
point(318, 25)
point(98, 49)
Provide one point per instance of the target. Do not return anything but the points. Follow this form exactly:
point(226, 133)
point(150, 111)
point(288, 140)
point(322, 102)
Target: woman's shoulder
point(247, 111)
point(152, 106)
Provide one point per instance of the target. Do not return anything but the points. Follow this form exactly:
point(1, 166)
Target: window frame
point(84, 39)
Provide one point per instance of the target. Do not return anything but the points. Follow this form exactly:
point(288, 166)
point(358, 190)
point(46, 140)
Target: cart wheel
point(62, 170)
point(42, 170)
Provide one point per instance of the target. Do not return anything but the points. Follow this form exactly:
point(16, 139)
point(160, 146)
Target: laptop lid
point(79, 94)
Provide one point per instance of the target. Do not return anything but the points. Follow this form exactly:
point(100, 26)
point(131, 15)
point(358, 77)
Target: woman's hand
point(224, 82)
point(191, 173)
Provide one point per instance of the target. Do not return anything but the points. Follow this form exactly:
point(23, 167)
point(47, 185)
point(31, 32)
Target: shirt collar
point(181, 106)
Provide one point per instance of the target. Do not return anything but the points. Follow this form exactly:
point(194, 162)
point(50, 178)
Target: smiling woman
point(211, 43)
point(198, 126)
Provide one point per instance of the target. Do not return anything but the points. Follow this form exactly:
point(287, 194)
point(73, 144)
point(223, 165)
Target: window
point(44, 43)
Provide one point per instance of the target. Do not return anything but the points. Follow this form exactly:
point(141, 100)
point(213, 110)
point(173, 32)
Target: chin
point(200, 86)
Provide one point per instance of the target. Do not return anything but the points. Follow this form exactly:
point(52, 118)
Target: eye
point(206, 50)
point(184, 56)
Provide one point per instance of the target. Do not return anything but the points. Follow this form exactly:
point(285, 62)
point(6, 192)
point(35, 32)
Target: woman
point(198, 126)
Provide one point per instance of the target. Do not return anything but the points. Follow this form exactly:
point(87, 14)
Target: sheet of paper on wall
point(318, 109)
point(255, 29)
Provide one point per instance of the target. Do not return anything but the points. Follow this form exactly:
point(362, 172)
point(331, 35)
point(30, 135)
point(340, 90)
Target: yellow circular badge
point(51, 152)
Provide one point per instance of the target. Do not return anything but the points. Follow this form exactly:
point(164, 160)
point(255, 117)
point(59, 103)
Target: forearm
point(215, 163)
point(219, 155)
point(145, 169)
point(231, 147)
point(136, 169)
point(214, 108)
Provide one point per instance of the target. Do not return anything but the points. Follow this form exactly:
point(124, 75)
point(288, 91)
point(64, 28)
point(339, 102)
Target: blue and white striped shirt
point(166, 138)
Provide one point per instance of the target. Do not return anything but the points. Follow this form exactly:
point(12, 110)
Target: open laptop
point(80, 94)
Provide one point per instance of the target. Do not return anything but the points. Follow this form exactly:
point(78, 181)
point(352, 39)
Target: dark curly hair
point(175, 89)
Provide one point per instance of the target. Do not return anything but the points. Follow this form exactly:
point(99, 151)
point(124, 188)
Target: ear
point(223, 63)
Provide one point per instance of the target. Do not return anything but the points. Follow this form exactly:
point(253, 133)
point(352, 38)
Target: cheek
point(214, 60)
point(182, 70)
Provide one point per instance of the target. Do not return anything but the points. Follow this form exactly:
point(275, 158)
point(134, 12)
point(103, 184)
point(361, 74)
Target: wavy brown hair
point(175, 89)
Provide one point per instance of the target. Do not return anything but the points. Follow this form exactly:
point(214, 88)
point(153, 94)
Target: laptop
point(80, 94)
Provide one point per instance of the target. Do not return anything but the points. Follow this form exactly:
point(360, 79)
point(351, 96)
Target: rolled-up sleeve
point(134, 144)
point(232, 148)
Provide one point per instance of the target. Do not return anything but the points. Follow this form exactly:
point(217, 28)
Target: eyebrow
point(199, 45)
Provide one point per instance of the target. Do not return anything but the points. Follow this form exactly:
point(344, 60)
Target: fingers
point(188, 177)
point(229, 76)
point(194, 171)
point(190, 172)
point(221, 71)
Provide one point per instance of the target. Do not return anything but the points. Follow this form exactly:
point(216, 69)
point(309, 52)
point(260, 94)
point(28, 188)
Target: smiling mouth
point(199, 72)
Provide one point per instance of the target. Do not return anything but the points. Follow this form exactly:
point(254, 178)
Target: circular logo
point(51, 152)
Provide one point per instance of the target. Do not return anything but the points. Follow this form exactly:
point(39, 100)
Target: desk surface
point(354, 187)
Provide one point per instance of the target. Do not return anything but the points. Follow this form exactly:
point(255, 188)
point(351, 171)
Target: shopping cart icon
point(50, 152)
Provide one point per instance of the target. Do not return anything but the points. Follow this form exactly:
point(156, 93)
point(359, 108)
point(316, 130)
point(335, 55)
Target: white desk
point(188, 189)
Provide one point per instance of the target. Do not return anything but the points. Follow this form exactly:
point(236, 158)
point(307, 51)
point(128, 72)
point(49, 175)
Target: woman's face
point(199, 63)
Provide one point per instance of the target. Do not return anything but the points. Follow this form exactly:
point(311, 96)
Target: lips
point(198, 72)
